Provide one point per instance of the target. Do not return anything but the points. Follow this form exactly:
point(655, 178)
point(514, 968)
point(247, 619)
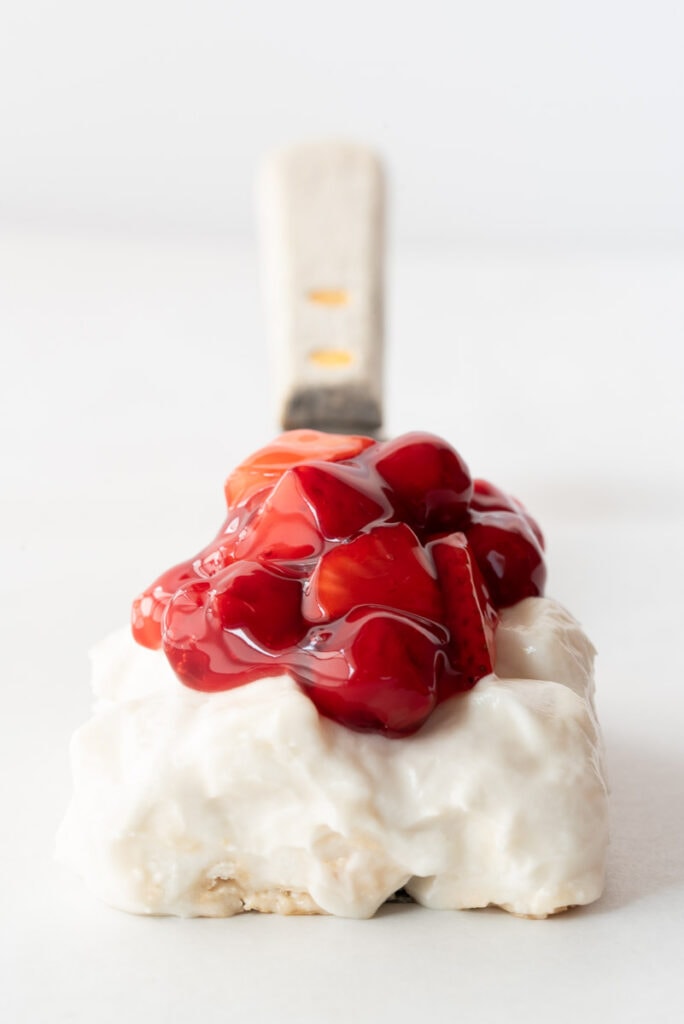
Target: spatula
point(323, 239)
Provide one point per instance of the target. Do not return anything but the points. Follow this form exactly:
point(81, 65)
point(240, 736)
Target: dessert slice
point(356, 687)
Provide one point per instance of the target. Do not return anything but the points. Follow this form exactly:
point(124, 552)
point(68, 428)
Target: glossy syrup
point(371, 572)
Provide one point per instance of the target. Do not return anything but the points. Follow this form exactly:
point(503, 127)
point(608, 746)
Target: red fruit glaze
point(247, 489)
point(284, 529)
point(489, 498)
point(265, 467)
point(430, 485)
point(509, 556)
point(469, 614)
point(234, 628)
point(148, 608)
point(370, 572)
point(373, 670)
point(386, 566)
point(344, 498)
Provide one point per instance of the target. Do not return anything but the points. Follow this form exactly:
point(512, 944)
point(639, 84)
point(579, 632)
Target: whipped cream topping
point(210, 804)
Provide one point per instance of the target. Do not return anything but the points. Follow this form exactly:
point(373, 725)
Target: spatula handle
point(323, 214)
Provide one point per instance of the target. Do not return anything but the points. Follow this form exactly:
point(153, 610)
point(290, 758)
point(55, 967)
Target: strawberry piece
point(386, 566)
point(265, 467)
point(509, 556)
point(149, 607)
point(468, 613)
point(372, 670)
point(283, 529)
point(264, 605)
point(232, 629)
point(489, 498)
point(345, 498)
point(430, 484)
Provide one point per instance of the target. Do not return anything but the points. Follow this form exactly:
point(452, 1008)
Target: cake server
point(322, 207)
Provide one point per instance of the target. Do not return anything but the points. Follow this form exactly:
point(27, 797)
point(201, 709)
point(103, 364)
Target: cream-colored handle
point(323, 240)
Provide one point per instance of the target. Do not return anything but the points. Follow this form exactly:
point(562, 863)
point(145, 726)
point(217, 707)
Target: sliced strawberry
point(429, 482)
point(386, 566)
point(284, 528)
point(345, 498)
point(265, 606)
point(509, 556)
point(149, 607)
point(468, 612)
point(372, 670)
point(312, 574)
point(232, 629)
point(265, 467)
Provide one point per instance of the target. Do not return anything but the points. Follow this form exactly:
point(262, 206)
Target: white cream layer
point(196, 804)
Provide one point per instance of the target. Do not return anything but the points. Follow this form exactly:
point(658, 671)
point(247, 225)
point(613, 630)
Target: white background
point(500, 119)
point(536, 318)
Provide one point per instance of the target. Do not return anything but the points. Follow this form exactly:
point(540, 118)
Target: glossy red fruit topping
point(370, 572)
point(264, 468)
point(469, 614)
point(373, 670)
point(344, 498)
point(284, 529)
point(264, 607)
point(386, 566)
point(148, 608)
point(490, 498)
point(509, 556)
point(232, 629)
point(429, 482)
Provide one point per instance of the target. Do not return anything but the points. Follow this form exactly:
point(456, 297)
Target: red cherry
point(386, 566)
point(430, 484)
point(372, 670)
point(508, 555)
point(234, 628)
point(468, 613)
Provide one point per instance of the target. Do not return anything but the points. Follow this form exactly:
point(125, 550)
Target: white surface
point(500, 119)
point(131, 370)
